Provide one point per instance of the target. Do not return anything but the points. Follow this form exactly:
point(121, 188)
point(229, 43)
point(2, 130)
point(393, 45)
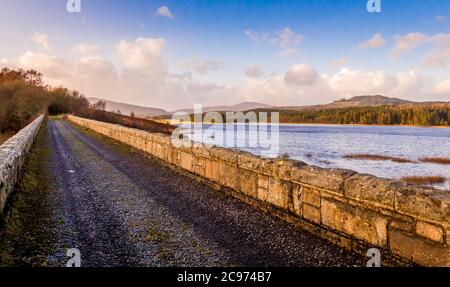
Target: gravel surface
point(121, 208)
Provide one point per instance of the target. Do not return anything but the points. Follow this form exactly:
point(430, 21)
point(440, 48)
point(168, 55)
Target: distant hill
point(370, 101)
point(369, 110)
point(245, 106)
point(141, 111)
point(126, 109)
point(358, 101)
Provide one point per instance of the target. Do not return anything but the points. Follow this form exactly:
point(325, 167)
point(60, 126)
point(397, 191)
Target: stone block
point(263, 187)
point(165, 140)
point(248, 182)
point(148, 147)
point(200, 166)
point(419, 250)
point(228, 175)
point(423, 201)
point(359, 222)
point(174, 156)
point(224, 155)
point(201, 150)
point(329, 179)
point(166, 153)
point(311, 196)
point(212, 170)
point(371, 188)
point(187, 161)
point(297, 199)
point(430, 231)
point(311, 213)
point(282, 168)
point(247, 160)
point(404, 225)
point(279, 193)
point(252, 162)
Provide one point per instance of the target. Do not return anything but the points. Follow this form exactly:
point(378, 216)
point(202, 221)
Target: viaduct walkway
point(122, 208)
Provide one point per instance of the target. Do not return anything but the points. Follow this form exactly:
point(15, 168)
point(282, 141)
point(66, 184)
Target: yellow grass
point(378, 158)
point(438, 160)
point(424, 180)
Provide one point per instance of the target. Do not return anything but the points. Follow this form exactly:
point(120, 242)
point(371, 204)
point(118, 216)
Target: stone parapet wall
point(403, 221)
point(12, 157)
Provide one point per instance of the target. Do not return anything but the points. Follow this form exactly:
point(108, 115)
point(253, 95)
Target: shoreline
point(366, 125)
point(320, 124)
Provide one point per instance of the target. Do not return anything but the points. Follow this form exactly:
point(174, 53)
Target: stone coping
point(12, 156)
point(410, 222)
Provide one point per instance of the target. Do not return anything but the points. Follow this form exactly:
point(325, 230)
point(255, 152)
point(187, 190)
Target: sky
point(174, 54)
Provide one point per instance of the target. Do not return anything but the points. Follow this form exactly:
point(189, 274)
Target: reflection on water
point(326, 146)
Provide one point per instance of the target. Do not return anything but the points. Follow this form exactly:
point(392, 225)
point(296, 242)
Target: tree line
point(420, 114)
point(23, 96)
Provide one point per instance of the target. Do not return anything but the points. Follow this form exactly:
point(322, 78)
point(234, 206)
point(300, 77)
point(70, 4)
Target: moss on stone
point(27, 239)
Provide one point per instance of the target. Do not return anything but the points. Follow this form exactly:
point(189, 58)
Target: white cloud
point(286, 39)
point(255, 71)
point(301, 74)
point(375, 42)
point(257, 37)
point(198, 65)
point(440, 53)
point(52, 67)
point(436, 58)
point(440, 18)
point(143, 80)
point(84, 48)
point(165, 12)
point(340, 62)
point(42, 40)
point(288, 53)
point(412, 85)
point(275, 90)
point(300, 85)
point(354, 82)
point(408, 42)
point(443, 88)
point(142, 77)
point(143, 54)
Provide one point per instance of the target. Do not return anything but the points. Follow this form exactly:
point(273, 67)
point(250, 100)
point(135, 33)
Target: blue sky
point(305, 51)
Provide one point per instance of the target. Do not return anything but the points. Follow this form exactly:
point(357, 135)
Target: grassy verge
point(28, 236)
point(378, 158)
point(131, 122)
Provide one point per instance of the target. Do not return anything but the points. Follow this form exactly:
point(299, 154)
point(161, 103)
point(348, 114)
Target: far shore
point(365, 125)
point(317, 124)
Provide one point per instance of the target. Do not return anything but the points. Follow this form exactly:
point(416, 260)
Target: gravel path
point(121, 208)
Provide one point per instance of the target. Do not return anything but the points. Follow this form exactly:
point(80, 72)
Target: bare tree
point(100, 106)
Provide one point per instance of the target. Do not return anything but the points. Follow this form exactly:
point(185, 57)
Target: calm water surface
point(327, 145)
